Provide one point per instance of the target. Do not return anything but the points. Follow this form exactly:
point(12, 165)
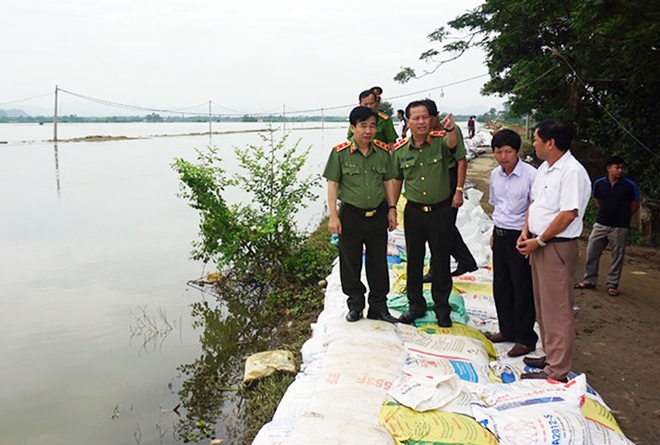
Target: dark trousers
point(459, 250)
point(513, 289)
point(434, 228)
point(357, 231)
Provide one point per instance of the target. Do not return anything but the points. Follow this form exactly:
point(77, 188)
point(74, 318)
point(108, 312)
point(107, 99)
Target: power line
point(600, 104)
point(25, 100)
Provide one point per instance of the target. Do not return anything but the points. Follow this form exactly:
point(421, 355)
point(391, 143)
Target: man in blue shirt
point(617, 199)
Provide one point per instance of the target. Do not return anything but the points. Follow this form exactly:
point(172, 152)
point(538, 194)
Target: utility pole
point(55, 117)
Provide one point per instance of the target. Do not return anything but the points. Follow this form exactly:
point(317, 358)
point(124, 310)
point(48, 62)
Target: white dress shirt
point(563, 187)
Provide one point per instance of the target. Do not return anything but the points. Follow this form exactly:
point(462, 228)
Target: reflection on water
point(210, 393)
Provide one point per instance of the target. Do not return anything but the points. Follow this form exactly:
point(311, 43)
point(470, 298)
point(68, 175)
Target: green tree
point(258, 239)
point(387, 108)
point(594, 62)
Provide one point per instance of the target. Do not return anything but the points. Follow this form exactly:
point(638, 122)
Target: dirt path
point(618, 346)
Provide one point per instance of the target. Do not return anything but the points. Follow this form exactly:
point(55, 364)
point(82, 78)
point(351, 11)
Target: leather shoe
point(540, 376)
point(409, 317)
point(353, 315)
point(519, 349)
point(428, 278)
point(538, 362)
point(383, 316)
point(445, 321)
point(496, 338)
point(462, 270)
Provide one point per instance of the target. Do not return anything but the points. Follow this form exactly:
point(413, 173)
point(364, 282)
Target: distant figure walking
point(471, 127)
point(617, 199)
point(402, 126)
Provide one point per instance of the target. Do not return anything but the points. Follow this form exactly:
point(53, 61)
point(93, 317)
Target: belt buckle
point(499, 232)
point(426, 209)
point(369, 214)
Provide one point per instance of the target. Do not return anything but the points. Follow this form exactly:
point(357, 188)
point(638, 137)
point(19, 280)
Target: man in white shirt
point(510, 191)
point(560, 195)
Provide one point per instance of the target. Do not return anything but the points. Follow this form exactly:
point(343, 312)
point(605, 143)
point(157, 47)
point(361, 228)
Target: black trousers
point(512, 287)
point(358, 231)
point(459, 250)
point(436, 229)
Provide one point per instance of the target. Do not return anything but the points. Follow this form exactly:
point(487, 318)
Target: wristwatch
point(459, 189)
point(540, 241)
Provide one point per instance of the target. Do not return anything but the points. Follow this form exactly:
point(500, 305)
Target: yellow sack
point(462, 330)
point(432, 427)
point(593, 410)
point(474, 287)
point(263, 364)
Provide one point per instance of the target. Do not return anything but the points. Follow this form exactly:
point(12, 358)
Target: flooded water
point(95, 314)
point(101, 339)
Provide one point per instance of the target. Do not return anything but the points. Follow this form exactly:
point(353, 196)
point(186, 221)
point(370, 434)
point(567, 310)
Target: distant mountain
point(13, 113)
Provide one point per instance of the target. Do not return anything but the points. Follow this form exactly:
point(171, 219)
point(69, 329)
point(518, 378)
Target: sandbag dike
point(371, 382)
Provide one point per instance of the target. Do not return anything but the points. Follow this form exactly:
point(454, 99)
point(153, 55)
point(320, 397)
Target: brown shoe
point(540, 376)
point(538, 362)
point(496, 338)
point(519, 349)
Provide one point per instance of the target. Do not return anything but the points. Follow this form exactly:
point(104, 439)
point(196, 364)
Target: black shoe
point(462, 270)
point(409, 317)
point(383, 316)
point(428, 278)
point(353, 315)
point(444, 322)
point(538, 362)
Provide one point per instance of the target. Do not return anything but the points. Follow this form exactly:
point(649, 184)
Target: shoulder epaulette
point(438, 133)
point(381, 144)
point(383, 115)
point(342, 146)
point(401, 143)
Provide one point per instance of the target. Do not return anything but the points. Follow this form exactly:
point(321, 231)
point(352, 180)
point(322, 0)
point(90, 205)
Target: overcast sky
point(248, 56)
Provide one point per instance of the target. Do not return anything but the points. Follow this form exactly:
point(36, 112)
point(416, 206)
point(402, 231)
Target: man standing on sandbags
point(360, 174)
point(560, 194)
point(510, 192)
point(422, 161)
point(465, 262)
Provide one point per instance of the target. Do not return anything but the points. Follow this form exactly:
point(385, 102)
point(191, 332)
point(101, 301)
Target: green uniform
point(385, 131)
point(360, 177)
point(425, 169)
point(459, 151)
point(364, 222)
point(427, 220)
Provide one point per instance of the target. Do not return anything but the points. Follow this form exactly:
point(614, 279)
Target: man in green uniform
point(457, 174)
point(422, 162)
point(360, 174)
point(385, 131)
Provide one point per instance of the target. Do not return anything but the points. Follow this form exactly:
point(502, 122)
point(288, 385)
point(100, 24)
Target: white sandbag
point(320, 429)
point(481, 306)
point(313, 349)
point(275, 432)
point(424, 393)
point(545, 414)
point(375, 330)
point(297, 398)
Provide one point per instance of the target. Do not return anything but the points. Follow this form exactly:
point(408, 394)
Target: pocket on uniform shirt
point(350, 169)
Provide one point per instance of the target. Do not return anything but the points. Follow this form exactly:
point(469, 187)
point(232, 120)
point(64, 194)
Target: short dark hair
point(377, 90)
point(361, 114)
point(432, 107)
point(365, 94)
point(506, 137)
point(614, 160)
point(560, 131)
point(417, 103)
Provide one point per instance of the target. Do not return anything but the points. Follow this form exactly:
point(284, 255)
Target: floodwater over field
point(101, 339)
point(95, 313)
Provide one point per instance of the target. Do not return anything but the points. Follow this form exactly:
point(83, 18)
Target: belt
point(506, 232)
point(426, 208)
point(556, 239)
point(363, 212)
